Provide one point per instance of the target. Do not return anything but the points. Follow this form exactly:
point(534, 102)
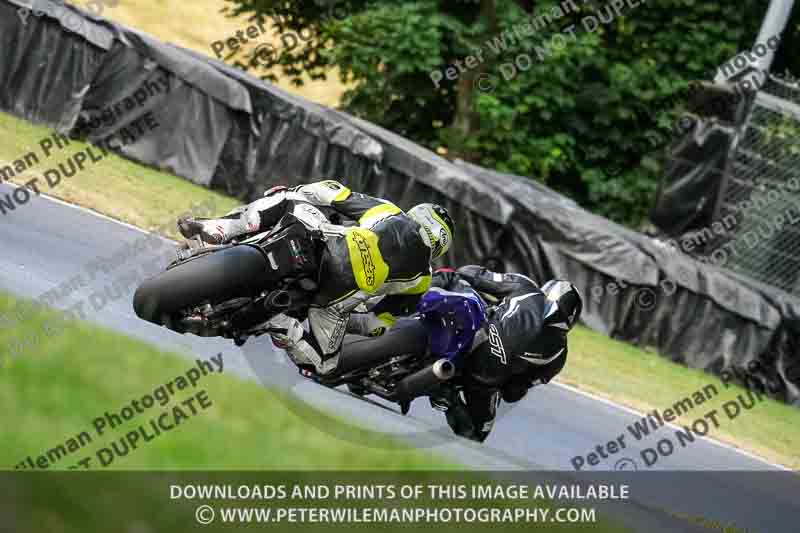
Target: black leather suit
point(512, 353)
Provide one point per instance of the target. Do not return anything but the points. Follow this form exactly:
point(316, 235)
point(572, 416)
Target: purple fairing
point(453, 319)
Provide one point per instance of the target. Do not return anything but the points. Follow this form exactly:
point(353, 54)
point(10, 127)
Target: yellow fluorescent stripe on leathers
point(387, 318)
point(343, 195)
point(369, 268)
point(378, 213)
point(422, 286)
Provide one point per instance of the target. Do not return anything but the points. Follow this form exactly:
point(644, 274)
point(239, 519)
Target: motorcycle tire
point(240, 271)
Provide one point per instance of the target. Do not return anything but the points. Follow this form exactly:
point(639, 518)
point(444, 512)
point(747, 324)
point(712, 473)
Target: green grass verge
point(646, 381)
point(114, 186)
point(63, 381)
point(612, 369)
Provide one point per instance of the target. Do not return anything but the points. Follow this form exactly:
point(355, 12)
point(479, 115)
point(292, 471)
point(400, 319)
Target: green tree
point(585, 107)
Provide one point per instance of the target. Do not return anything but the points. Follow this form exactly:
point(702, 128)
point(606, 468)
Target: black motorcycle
point(231, 290)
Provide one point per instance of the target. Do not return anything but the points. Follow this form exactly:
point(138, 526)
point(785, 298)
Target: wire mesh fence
point(759, 207)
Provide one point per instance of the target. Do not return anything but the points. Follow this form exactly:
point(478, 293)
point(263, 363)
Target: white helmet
point(437, 227)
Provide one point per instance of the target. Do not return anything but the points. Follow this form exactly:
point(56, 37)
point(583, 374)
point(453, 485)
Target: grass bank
point(62, 383)
point(645, 381)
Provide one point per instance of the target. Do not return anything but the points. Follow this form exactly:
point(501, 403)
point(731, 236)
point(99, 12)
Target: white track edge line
point(670, 424)
point(100, 215)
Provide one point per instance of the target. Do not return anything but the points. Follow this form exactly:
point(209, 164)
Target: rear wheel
point(240, 271)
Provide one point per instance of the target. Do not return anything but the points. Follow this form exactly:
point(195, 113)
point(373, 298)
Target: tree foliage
point(588, 114)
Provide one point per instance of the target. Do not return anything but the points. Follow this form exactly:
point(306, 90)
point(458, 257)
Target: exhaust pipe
point(253, 312)
point(443, 369)
point(424, 380)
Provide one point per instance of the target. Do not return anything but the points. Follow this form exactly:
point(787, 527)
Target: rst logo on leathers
point(496, 345)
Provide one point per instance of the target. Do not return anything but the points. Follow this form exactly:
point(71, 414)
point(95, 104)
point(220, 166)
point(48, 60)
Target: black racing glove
point(486, 282)
point(447, 399)
point(444, 278)
point(515, 389)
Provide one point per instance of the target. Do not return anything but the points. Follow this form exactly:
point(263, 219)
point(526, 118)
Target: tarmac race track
point(47, 243)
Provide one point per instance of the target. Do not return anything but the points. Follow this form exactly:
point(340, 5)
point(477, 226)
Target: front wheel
point(236, 272)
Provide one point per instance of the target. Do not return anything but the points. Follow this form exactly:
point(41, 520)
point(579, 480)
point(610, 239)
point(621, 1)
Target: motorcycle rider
point(387, 255)
point(522, 343)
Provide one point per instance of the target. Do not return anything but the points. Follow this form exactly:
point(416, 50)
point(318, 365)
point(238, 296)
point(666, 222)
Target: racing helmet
point(562, 304)
point(437, 227)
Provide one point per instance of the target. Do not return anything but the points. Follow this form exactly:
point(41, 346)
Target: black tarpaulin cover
point(690, 183)
point(223, 128)
point(639, 289)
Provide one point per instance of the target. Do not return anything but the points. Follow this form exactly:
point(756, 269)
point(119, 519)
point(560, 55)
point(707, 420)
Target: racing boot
point(212, 230)
point(256, 216)
point(288, 334)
